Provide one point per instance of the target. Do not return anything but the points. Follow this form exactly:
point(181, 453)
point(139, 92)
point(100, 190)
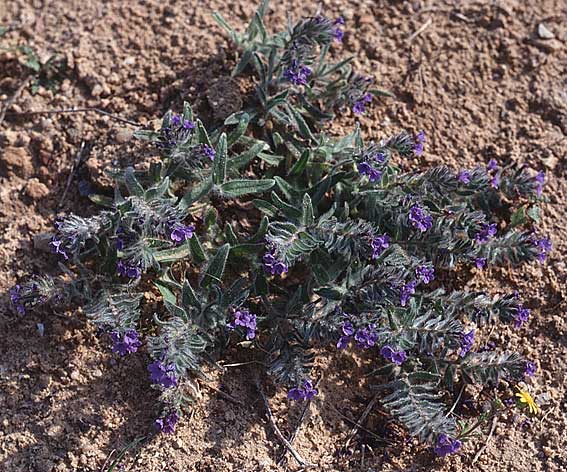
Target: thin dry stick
point(278, 433)
point(298, 426)
point(361, 420)
point(421, 29)
point(353, 422)
point(490, 434)
point(81, 157)
point(76, 110)
point(224, 395)
point(13, 98)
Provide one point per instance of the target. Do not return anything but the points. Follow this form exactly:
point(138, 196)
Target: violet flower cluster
point(162, 374)
point(125, 343)
point(305, 392)
point(246, 320)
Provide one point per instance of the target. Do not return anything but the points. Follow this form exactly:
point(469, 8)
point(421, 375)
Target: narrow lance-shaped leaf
point(237, 188)
point(216, 266)
point(219, 165)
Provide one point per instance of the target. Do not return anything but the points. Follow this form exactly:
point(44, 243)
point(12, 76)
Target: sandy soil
point(477, 78)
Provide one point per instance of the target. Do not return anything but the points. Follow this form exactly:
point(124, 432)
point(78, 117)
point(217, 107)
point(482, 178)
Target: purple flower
point(348, 328)
point(163, 375)
point(397, 357)
point(379, 245)
point(492, 165)
point(366, 337)
point(407, 290)
point(208, 151)
point(530, 369)
point(297, 74)
point(420, 219)
point(446, 445)
point(544, 245)
point(425, 273)
point(522, 315)
point(540, 179)
point(359, 106)
point(480, 262)
point(272, 265)
point(464, 177)
point(364, 168)
point(488, 231)
point(167, 424)
point(57, 249)
point(188, 124)
point(175, 120)
point(128, 270)
point(467, 342)
point(182, 233)
point(306, 392)
point(495, 181)
point(419, 143)
point(343, 341)
point(247, 320)
point(125, 343)
point(16, 299)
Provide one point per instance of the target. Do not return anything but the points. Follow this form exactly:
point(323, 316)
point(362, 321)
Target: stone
point(36, 190)
point(17, 160)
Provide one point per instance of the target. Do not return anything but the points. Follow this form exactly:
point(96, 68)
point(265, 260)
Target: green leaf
point(202, 135)
point(215, 268)
point(265, 207)
point(235, 135)
point(197, 250)
point(134, 187)
point(307, 217)
point(301, 124)
point(262, 230)
point(518, 217)
point(244, 158)
point(159, 190)
point(223, 24)
point(188, 296)
point(166, 293)
point(237, 188)
point(244, 249)
point(174, 254)
point(229, 234)
point(242, 63)
point(271, 159)
point(196, 193)
point(534, 213)
point(219, 165)
point(101, 200)
point(187, 111)
point(289, 210)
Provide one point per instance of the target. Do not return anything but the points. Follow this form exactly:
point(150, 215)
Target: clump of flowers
point(306, 392)
point(125, 343)
point(246, 320)
point(300, 228)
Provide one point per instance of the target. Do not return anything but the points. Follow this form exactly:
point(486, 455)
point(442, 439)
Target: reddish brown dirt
point(477, 78)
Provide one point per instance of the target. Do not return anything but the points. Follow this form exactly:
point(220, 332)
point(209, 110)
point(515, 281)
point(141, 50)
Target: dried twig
point(277, 431)
point(13, 98)
point(353, 422)
point(420, 30)
point(224, 395)
point(295, 432)
point(361, 420)
point(76, 110)
point(80, 158)
point(490, 434)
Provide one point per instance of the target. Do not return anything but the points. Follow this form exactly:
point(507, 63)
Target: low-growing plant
point(263, 232)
